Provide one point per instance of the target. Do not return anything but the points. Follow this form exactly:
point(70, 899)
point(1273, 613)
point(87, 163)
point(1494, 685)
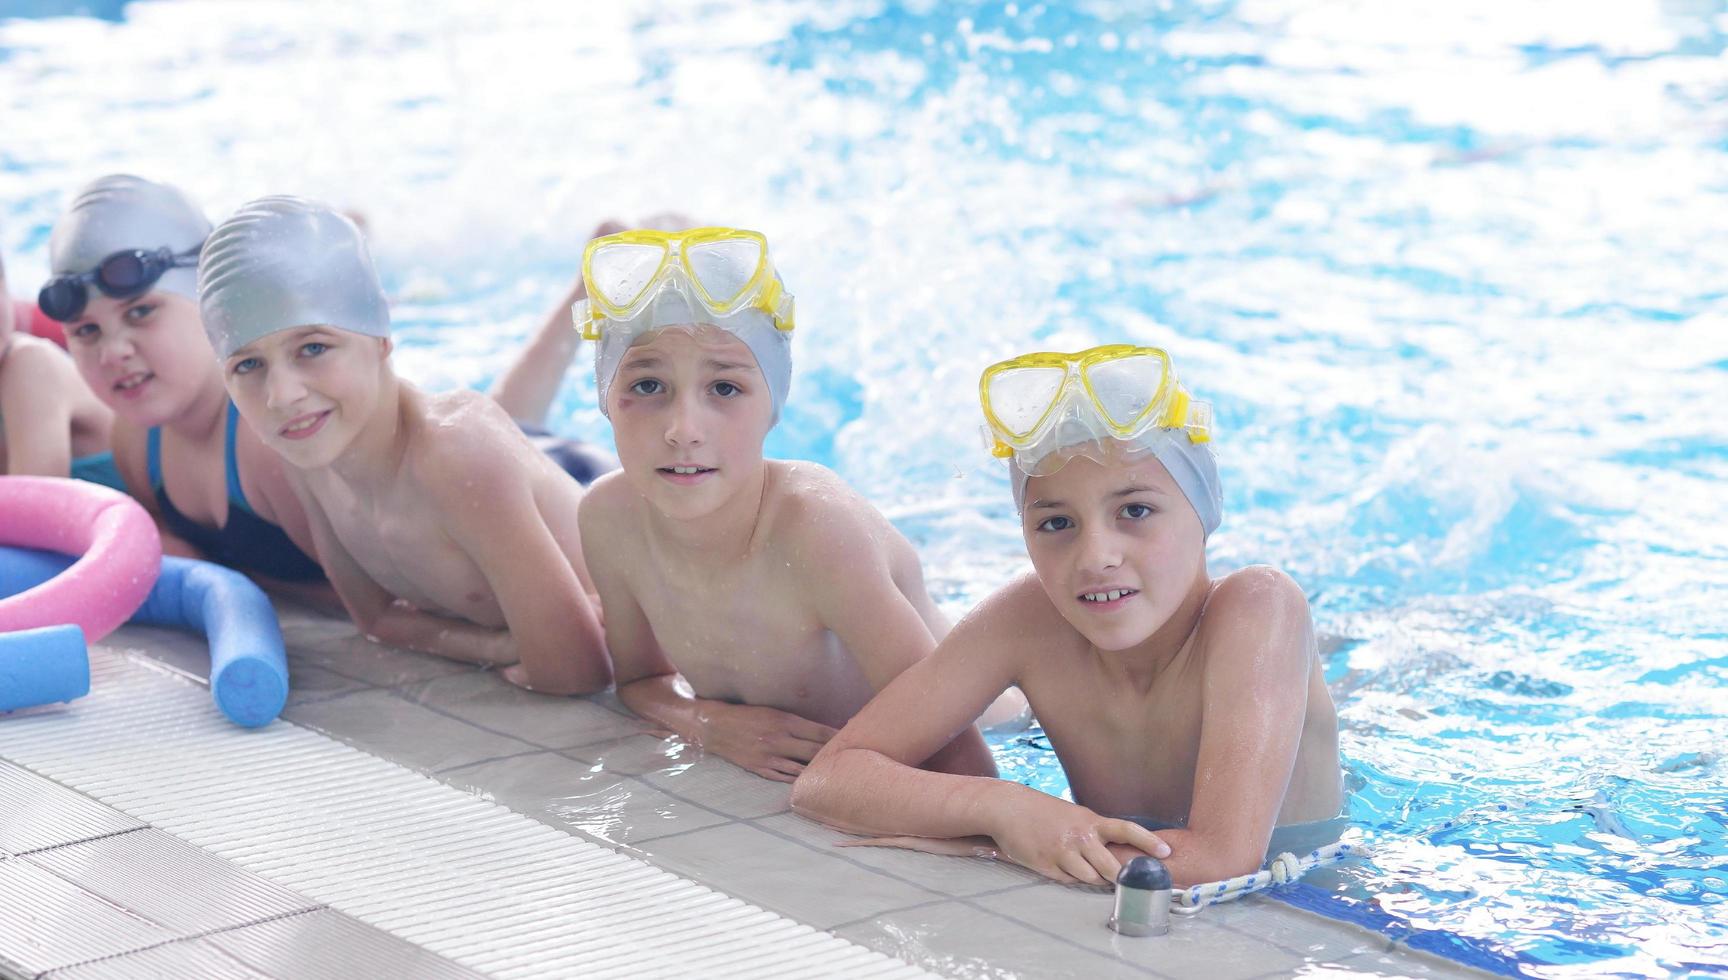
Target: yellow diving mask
point(1037, 405)
point(723, 270)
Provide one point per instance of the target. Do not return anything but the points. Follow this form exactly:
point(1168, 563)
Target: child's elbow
point(1219, 863)
point(807, 797)
point(810, 790)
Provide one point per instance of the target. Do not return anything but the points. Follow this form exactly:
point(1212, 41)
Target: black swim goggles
point(122, 275)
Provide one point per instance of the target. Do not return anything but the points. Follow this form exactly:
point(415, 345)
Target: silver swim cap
point(285, 262)
point(1191, 464)
point(673, 306)
point(120, 212)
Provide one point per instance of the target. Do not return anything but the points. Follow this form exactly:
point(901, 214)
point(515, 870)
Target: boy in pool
point(442, 529)
point(752, 605)
point(1172, 699)
point(51, 424)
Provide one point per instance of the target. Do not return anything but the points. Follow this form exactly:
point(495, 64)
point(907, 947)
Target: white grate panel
point(470, 880)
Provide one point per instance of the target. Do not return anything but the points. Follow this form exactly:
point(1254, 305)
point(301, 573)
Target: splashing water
point(1448, 271)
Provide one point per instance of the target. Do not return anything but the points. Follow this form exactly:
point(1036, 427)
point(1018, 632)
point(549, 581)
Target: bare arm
point(768, 742)
point(1258, 656)
point(864, 780)
point(849, 581)
point(383, 619)
point(553, 624)
point(36, 408)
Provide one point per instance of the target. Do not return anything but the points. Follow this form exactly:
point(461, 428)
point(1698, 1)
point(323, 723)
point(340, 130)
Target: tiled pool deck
point(588, 768)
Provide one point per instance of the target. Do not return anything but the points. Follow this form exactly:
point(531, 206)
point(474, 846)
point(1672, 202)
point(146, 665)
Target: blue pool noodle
point(42, 665)
point(248, 665)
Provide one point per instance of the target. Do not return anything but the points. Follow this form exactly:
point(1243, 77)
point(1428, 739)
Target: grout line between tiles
point(448, 770)
point(861, 920)
point(1054, 935)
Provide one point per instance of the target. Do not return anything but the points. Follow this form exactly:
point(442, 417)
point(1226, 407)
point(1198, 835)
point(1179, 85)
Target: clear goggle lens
point(1123, 391)
point(723, 271)
point(621, 272)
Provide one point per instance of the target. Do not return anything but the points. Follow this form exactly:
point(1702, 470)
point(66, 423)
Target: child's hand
point(769, 742)
point(1067, 842)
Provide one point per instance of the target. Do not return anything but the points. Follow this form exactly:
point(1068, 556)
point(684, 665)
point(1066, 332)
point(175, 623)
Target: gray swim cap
point(1191, 464)
point(285, 262)
point(121, 212)
point(771, 346)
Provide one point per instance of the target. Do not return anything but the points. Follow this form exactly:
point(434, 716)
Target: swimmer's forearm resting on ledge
point(863, 791)
point(399, 624)
point(766, 741)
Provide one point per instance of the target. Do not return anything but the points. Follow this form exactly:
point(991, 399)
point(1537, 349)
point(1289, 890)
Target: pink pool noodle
point(119, 548)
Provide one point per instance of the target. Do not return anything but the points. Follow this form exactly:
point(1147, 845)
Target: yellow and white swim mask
point(1043, 409)
point(642, 281)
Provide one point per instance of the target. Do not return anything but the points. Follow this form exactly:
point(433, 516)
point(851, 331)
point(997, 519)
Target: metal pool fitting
point(1142, 898)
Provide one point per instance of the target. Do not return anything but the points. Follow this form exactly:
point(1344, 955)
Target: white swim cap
point(673, 307)
point(1191, 464)
point(119, 213)
point(285, 262)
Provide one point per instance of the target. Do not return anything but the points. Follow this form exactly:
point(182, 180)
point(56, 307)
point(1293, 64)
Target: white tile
point(405, 733)
point(684, 771)
point(958, 876)
point(961, 941)
point(782, 875)
point(572, 795)
point(1194, 946)
point(484, 698)
point(381, 666)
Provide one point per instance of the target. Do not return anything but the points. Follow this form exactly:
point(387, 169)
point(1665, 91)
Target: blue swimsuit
point(247, 542)
point(98, 468)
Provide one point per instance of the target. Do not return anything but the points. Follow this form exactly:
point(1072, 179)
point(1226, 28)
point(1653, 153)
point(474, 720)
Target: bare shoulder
point(1255, 610)
point(1018, 623)
point(610, 512)
point(818, 520)
point(37, 366)
point(1257, 589)
point(463, 447)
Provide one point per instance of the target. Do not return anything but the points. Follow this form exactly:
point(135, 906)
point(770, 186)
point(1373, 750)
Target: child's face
point(307, 392)
point(147, 357)
point(1096, 529)
point(689, 412)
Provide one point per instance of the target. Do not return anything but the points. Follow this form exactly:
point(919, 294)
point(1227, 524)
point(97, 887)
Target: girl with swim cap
point(51, 424)
point(123, 260)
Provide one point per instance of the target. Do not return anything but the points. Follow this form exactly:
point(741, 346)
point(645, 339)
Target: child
point(751, 605)
point(1171, 699)
point(50, 422)
point(122, 259)
point(441, 527)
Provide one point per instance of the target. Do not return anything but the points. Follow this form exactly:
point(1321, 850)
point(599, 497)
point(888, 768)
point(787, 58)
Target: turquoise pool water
point(1451, 273)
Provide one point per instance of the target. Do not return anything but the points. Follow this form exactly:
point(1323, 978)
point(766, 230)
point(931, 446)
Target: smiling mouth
point(686, 470)
point(132, 381)
point(1110, 595)
point(303, 426)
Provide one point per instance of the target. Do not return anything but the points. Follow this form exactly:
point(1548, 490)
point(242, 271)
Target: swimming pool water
point(1450, 272)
